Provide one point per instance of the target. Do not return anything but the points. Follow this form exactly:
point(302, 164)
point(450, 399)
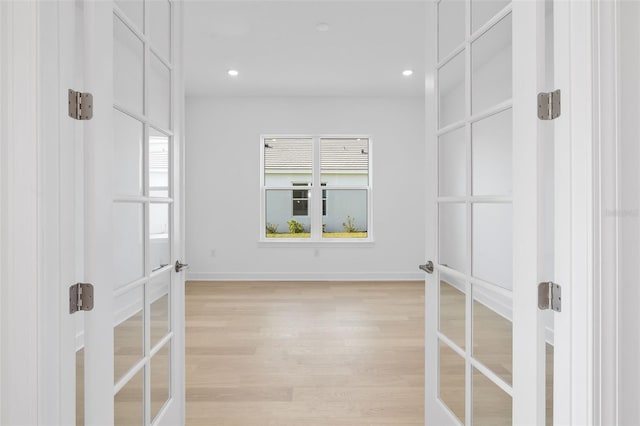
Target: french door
point(485, 341)
point(134, 337)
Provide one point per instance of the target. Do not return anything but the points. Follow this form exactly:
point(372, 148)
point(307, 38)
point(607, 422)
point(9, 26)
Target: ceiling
point(278, 50)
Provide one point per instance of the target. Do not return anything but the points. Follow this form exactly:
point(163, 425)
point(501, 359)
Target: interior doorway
point(310, 261)
point(308, 113)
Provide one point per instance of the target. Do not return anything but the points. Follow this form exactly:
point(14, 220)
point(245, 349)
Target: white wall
point(3, 136)
point(628, 213)
point(223, 187)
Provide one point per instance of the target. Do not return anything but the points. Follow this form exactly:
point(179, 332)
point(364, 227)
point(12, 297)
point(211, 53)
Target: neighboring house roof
point(158, 154)
point(158, 161)
point(335, 154)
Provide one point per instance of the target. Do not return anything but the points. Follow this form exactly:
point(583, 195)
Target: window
point(315, 188)
point(300, 206)
point(324, 200)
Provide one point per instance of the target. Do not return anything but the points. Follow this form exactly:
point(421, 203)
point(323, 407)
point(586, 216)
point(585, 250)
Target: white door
point(485, 342)
point(134, 337)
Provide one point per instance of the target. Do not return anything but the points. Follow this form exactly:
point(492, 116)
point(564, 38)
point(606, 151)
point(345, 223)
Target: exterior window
point(315, 188)
point(300, 206)
point(324, 200)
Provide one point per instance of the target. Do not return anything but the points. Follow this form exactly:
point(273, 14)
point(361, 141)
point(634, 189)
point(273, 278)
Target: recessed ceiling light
point(407, 73)
point(233, 73)
point(323, 27)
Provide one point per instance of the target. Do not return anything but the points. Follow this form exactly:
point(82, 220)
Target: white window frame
point(315, 204)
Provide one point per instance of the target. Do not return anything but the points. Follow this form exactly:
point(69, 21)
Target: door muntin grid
point(473, 211)
point(143, 88)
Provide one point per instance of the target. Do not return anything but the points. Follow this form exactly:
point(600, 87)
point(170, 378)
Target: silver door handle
point(427, 267)
point(181, 266)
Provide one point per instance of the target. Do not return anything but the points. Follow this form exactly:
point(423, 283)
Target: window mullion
point(316, 194)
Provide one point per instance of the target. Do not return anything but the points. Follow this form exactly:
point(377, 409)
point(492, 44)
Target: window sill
point(296, 243)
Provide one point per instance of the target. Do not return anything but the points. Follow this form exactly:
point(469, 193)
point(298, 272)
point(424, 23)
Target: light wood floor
point(318, 354)
point(325, 354)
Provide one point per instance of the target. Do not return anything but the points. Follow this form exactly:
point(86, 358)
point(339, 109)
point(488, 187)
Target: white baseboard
point(306, 276)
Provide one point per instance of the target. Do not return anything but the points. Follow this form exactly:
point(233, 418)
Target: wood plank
point(319, 353)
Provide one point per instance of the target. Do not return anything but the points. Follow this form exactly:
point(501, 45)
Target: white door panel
point(134, 341)
point(485, 343)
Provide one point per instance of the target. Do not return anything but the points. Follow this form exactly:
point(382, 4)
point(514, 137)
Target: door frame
point(606, 234)
point(574, 401)
point(31, 218)
point(609, 196)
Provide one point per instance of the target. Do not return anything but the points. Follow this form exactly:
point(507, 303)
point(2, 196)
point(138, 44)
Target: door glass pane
point(160, 27)
point(286, 157)
point(344, 162)
point(452, 163)
point(483, 10)
point(159, 232)
point(451, 380)
point(159, 160)
point(159, 295)
point(346, 213)
point(491, 155)
point(492, 245)
point(491, 405)
point(128, 135)
point(492, 332)
point(159, 93)
point(128, 334)
point(452, 309)
point(128, 75)
point(280, 221)
point(491, 67)
point(160, 375)
point(451, 19)
point(451, 91)
point(452, 230)
point(129, 402)
point(133, 10)
point(128, 242)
